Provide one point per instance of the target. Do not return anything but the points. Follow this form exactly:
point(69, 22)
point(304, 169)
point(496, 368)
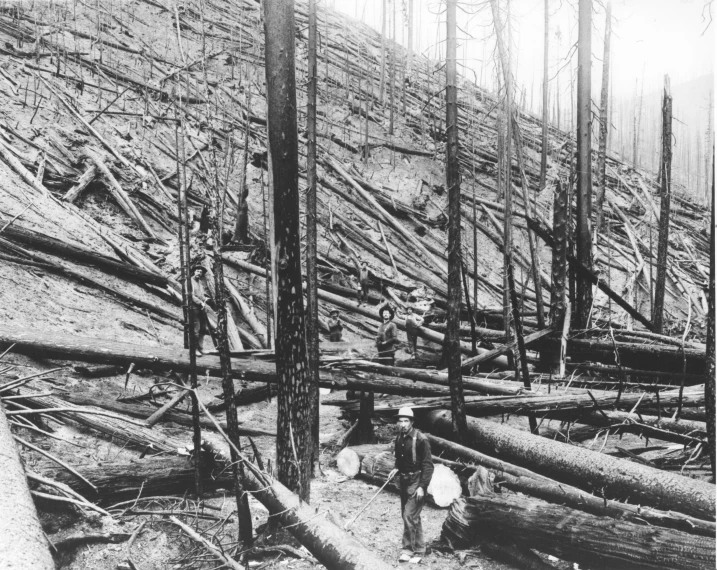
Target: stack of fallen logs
point(541, 493)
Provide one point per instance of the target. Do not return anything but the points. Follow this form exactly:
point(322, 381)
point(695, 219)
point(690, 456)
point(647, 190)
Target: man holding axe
point(414, 466)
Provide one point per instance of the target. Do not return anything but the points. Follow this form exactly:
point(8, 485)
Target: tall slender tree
point(584, 195)
point(293, 440)
point(382, 84)
point(710, 367)
point(453, 182)
point(663, 243)
point(312, 322)
point(602, 148)
point(544, 141)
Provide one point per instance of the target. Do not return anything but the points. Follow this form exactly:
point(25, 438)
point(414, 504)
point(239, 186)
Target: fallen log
point(143, 411)
point(491, 354)
point(157, 358)
point(23, 544)
point(575, 536)
point(117, 481)
point(248, 395)
point(430, 377)
point(582, 468)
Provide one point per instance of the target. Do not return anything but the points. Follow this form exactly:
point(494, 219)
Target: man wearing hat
point(414, 466)
point(335, 326)
point(387, 336)
point(198, 305)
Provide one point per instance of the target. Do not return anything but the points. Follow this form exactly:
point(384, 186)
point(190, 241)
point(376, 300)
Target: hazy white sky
point(650, 38)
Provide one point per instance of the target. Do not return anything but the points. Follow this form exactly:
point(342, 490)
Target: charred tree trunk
point(663, 243)
point(559, 264)
point(544, 138)
point(312, 300)
point(584, 295)
point(452, 346)
point(242, 499)
point(590, 540)
point(602, 150)
point(241, 227)
point(582, 468)
point(382, 85)
point(711, 371)
point(23, 544)
point(293, 442)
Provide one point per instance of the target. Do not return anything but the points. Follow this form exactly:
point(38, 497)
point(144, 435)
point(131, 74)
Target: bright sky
point(650, 37)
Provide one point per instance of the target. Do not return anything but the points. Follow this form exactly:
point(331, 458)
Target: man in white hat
point(414, 466)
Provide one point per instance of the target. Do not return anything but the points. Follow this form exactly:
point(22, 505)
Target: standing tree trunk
point(23, 544)
point(544, 142)
point(711, 372)
point(185, 262)
point(584, 291)
point(410, 38)
point(242, 499)
point(241, 227)
point(452, 346)
point(312, 323)
point(666, 191)
point(602, 150)
point(382, 85)
point(392, 87)
point(293, 441)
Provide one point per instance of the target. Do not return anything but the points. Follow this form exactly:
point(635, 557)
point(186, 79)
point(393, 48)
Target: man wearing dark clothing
point(414, 465)
point(197, 305)
point(363, 283)
point(387, 336)
point(335, 327)
point(413, 321)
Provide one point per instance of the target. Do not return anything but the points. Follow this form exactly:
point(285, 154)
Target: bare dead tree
point(293, 441)
point(710, 365)
point(584, 195)
point(452, 345)
point(312, 323)
point(544, 138)
point(602, 148)
point(663, 243)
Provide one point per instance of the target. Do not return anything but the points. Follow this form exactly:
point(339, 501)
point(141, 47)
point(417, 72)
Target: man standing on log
point(387, 336)
point(335, 326)
point(198, 306)
point(413, 321)
point(363, 282)
point(414, 465)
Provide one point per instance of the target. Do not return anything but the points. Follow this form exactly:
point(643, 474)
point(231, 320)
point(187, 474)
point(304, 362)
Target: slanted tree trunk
point(602, 150)
point(590, 540)
point(23, 544)
point(711, 371)
point(452, 346)
point(584, 295)
point(312, 300)
point(663, 243)
point(583, 468)
point(544, 138)
point(293, 442)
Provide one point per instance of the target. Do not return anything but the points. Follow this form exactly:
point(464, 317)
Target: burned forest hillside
point(114, 113)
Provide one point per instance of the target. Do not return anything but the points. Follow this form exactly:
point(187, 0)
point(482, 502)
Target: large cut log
point(117, 481)
point(157, 358)
point(530, 483)
point(22, 541)
point(144, 411)
point(582, 468)
point(592, 541)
